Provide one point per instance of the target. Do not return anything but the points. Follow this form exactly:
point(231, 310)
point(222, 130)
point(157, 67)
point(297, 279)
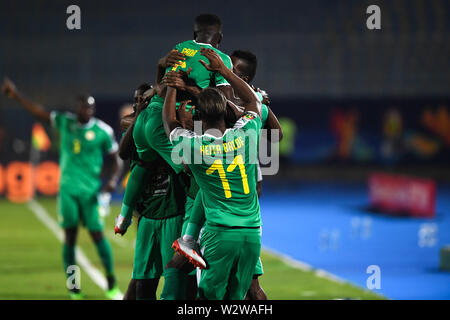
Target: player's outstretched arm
point(35, 109)
point(240, 87)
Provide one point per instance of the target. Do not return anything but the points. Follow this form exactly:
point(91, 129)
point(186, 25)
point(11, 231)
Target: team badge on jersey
point(90, 135)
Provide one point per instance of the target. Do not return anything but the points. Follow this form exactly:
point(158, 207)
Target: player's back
point(225, 169)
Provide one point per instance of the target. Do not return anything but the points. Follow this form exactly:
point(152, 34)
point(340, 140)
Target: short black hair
point(212, 105)
point(206, 20)
point(250, 60)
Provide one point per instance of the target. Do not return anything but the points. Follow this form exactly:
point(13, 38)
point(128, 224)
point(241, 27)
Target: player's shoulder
point(180, 132)
point(103, 126)
point(245, 119)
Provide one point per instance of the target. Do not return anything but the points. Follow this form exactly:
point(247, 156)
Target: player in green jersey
point(160, 207)
point(148, 132)
point(244, 66)
point(83, 142)
point(223, 162)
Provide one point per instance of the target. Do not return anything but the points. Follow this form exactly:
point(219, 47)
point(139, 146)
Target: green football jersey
point(164, 195)
point(202, 77)
point(81, 151)
point(225, 168)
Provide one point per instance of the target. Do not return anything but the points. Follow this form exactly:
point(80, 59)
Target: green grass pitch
point(31, 262)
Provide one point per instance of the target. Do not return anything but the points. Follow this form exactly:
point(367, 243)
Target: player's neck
point(206, 40)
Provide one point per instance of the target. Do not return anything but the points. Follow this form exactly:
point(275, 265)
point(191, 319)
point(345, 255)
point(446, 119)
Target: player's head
point(244, 65)
point(211, 106)
point(85, 108)
point(208, 29)
point(140, 91)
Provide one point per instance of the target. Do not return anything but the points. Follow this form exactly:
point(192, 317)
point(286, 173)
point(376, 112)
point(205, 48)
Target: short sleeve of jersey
point(183, 139)
point(219, 79)
point(57, 119)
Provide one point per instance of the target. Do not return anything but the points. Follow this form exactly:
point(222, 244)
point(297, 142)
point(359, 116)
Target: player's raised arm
point(35, 109)
point(241, 88)
point(169, 113)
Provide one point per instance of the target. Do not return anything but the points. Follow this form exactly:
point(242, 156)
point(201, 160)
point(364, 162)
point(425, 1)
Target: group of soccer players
point(195, 181)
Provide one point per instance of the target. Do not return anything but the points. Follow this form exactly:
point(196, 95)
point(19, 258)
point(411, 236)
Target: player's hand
point(174, 57)
point(215, 62)
point(127, 121)
point(185, 117)
point(122, 225)
point(9, 88)
point(175, 80)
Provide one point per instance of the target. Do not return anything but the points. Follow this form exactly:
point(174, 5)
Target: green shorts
point(73, 209)
point(259, 271)
point(231, 255)
point(154, 246)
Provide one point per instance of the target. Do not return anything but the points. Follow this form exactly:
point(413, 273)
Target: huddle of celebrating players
point(194, 183)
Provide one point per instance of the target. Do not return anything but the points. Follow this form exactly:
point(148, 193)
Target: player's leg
point(191, 282)
point(255, 292)
point(249, 251)
point(147, 267)
point(187, 244)
point(219, 249)
point(174, 279)
point(130, 294)
point(94, 224)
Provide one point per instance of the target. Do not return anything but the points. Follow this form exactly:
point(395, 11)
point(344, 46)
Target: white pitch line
point(304, 266)
point(93, 273)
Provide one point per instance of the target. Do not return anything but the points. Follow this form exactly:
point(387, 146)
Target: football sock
point(68, 256)
point(106, 256)
point(196, 220)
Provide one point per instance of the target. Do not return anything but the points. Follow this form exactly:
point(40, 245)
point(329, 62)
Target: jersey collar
point(204, 44)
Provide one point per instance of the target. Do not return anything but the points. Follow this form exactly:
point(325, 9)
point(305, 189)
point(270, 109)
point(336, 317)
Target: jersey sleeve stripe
point(180, 132)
